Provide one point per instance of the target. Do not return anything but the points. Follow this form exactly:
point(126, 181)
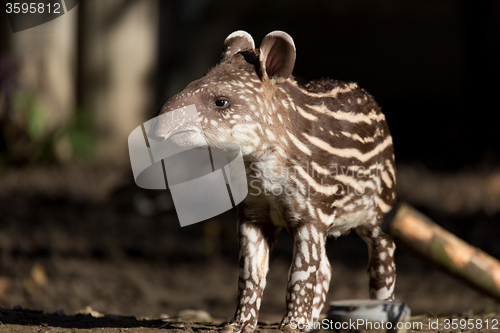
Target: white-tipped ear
point(237, 41)
point(277, 56)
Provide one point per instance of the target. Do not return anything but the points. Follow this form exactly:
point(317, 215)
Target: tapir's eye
point(221, 102)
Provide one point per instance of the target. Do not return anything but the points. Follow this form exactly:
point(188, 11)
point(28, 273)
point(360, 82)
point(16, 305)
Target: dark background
point(78, 232)
point(432, 65)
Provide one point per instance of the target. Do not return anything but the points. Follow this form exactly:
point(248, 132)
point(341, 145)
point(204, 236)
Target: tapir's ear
point(237, 41)
point(277, 56)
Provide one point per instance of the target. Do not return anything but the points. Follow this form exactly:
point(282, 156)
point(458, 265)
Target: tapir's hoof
point(237, 328)
point(288, 329)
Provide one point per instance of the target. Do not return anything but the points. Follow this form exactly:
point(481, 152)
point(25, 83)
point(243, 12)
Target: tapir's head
point(235, 101)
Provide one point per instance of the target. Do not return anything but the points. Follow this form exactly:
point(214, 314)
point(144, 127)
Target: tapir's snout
point(180, 126)
point(156, 133)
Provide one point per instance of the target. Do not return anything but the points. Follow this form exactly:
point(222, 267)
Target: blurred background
point(76, 232)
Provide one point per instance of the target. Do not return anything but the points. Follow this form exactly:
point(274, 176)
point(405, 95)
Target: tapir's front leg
point(308, 242)
point(256, 236)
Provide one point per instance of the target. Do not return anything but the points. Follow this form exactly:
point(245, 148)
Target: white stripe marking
point(306, 115)
point(303, 148)
point(348, 152)
point(348, 116)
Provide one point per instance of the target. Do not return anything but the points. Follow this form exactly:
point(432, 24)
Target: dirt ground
point(81, 241)
point(28, 321)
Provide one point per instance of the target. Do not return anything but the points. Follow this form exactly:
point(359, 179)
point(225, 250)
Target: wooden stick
point(417, 233)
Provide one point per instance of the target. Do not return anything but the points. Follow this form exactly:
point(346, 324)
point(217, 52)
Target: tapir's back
point(343, 149)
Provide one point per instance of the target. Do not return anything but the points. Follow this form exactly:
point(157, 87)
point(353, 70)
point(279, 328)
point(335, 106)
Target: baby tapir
point(319, 161)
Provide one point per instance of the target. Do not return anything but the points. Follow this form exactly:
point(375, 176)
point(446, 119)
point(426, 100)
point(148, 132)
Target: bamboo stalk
point(417, 233)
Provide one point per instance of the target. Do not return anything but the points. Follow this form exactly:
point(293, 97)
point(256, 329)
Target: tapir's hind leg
point(381, 265)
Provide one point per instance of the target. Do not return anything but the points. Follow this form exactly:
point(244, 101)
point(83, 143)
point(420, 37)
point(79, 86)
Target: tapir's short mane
point(240, 60)
point(323, 85)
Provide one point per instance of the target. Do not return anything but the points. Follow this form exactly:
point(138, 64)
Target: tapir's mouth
point(183, 133)
point(187, 138)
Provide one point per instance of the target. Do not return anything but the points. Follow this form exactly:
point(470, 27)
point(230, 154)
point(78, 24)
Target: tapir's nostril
point(159, 129)
point(155, 134)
